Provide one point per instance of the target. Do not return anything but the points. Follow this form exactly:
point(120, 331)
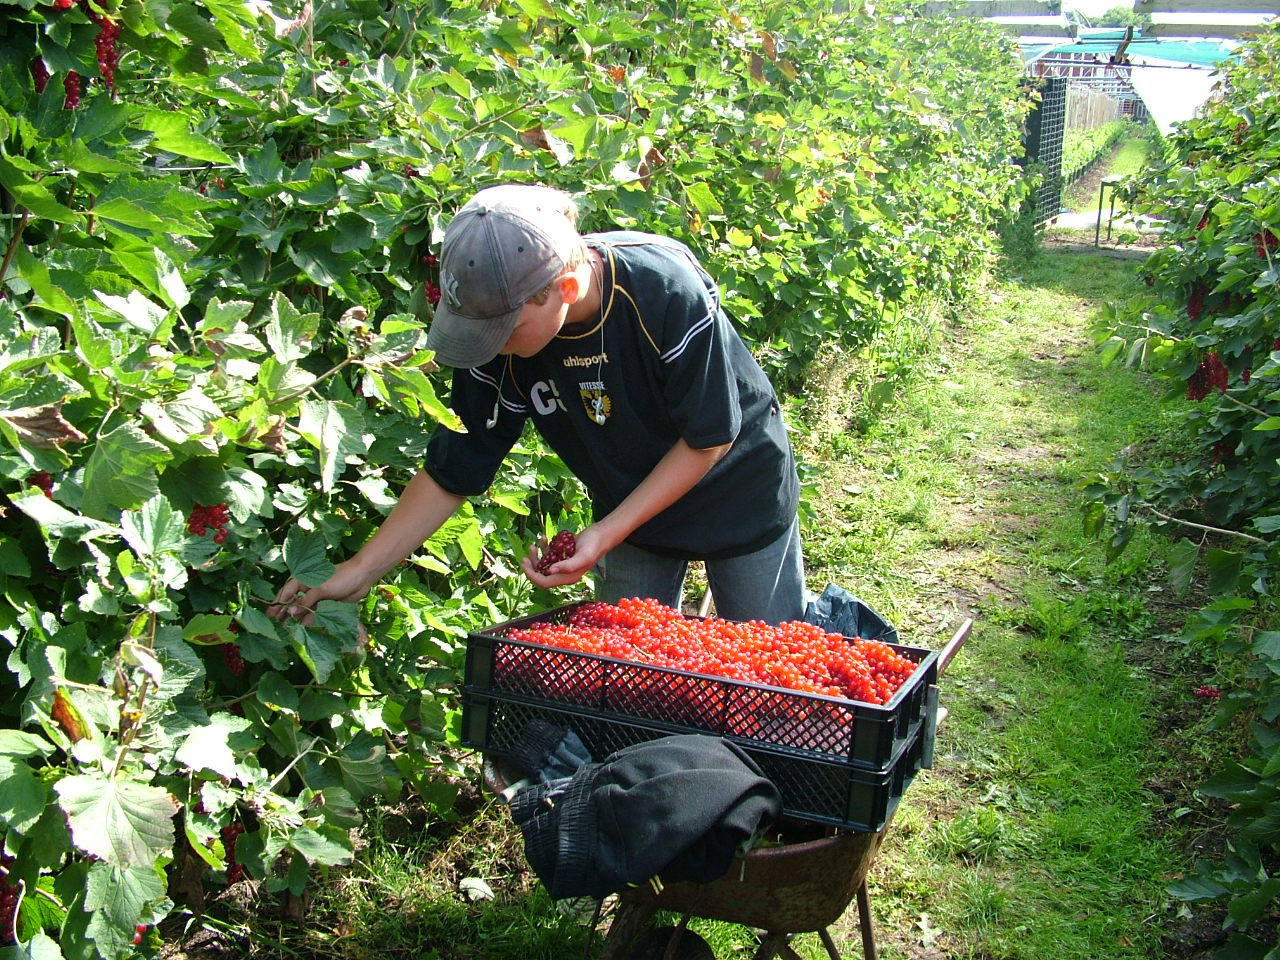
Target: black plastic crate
point(813, 789)
point(866, 736)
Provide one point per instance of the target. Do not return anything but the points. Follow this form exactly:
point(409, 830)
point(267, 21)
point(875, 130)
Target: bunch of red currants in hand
point(562, 547)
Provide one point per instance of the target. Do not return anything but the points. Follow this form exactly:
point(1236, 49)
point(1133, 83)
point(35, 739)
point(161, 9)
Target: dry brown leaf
point(43, 427)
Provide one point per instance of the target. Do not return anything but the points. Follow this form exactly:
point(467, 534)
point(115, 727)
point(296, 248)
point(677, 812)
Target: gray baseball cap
point(504, 245)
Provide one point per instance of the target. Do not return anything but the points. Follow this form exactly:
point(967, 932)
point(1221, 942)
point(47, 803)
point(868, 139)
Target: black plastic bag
point(839, 611)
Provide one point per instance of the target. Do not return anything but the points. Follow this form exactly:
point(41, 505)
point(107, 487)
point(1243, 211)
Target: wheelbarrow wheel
point(656, 944)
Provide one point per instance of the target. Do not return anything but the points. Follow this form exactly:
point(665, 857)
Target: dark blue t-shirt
point(612, 397)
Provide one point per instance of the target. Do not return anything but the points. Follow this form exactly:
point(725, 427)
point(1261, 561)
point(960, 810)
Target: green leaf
point(1271, 423)
point(28, 193)
point(1242, 947)
point(140, 656)
point(178, 420)
point(36, 916)
point(123, 895)
point(173, 133)
point(305, 556)
point(206, 748)
point(318, 650)
point(22, 796)
point(703, 200)
point(14, 563)
point(314, 254)
point(121, 822)
point(334, 429)
point(136, 310)
point(416, 385)
point(1273, 764)
point(154, 529)
point(535, 9)
point(364, 768)
point(246, 493)
point(289, 333)
point(1197, 888)
point(470, 540)
point(277, 693)
point(1224, 570)
point(49, 292)
point(1182, 562)
point(320, 849)
point(56, 520)
point(19, 743)
point(1266, 645)
point(1231, 783)
point(121, 471)
point(207, 629)
point(1268, 524)
point(39, 947)
point(189, 20)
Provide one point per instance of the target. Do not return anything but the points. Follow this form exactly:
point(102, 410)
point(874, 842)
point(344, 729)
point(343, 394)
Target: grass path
point(1042, 830)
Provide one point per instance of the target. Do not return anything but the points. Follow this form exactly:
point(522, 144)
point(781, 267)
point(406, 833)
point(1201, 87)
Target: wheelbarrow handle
point(953, 645)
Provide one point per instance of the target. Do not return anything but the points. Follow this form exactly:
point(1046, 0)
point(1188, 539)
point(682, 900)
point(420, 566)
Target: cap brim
point(466, 342)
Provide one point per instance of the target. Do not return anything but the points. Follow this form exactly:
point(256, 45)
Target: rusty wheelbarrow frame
point(803, 884)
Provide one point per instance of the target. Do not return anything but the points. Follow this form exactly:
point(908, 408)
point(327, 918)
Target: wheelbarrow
point(802, 884)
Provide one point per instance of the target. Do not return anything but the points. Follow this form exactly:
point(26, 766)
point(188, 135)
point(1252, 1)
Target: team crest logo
point(597, 405)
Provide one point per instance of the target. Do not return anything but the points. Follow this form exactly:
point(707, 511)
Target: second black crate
point(813, 788)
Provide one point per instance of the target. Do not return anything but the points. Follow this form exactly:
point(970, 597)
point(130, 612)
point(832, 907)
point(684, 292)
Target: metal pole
point(1097, 227)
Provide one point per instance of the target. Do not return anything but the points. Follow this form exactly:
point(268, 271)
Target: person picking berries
point(617, 347)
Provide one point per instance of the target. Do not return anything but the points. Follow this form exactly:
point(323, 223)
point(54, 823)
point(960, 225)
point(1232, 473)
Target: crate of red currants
point(840, 724)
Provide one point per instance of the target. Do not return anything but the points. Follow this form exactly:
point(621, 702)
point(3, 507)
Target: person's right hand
point(295, 600)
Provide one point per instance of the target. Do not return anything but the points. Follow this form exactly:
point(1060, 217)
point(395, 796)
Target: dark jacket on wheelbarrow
point(676, 808)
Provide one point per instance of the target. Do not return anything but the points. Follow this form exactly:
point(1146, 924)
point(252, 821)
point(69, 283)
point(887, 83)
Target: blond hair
point(569, 209)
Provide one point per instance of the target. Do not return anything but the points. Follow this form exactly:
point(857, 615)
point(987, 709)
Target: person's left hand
point(589, 548)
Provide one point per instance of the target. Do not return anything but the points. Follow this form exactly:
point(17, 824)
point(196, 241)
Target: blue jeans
point(766, 585)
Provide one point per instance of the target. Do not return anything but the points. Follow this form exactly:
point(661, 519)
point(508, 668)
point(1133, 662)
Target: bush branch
point(1200, 526)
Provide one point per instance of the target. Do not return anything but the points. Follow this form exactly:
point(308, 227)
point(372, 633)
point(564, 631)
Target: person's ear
point(570, 288)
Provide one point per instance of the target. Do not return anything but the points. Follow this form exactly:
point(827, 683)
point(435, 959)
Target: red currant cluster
point(71, 90)
point(230, 832)
point(39, 74)
point(1264, 241)
point(231, 656)
point(1195, 300)
point(1206, 692)
point(105, 44)
point(138, 931)
point(432, 292)
point(1211, 374)
point(44, 481)
point(8, 901)
point(795, 655)
point(202, 518)
point(562, 546)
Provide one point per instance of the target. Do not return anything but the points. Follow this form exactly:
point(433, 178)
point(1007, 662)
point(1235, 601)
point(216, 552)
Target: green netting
point(1204, 53)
